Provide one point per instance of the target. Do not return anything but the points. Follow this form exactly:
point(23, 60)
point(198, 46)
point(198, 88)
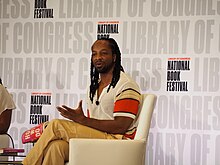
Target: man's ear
point(114, 57)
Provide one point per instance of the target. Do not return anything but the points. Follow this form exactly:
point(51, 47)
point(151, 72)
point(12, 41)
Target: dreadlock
point(94, 74)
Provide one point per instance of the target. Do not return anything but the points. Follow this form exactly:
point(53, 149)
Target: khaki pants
point(53, 147)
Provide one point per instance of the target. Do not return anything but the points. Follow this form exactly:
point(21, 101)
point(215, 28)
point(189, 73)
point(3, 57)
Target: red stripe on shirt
point(130, 136)
point(126, 105)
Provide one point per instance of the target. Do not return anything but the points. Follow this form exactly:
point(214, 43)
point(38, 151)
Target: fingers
point(61, 109)
point(66, 107)
point(64, 112)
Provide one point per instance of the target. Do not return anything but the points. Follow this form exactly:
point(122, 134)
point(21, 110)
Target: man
point(112, 103)
point(6, 107)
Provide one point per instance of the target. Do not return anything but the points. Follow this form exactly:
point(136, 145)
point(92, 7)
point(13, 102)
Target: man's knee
point(54, 123)
point(57, 123)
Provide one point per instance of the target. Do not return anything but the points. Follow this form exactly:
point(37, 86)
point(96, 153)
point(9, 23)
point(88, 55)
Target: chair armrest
point(107, 152)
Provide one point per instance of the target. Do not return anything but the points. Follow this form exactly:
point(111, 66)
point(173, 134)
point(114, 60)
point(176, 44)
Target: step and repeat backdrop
point(170, 47)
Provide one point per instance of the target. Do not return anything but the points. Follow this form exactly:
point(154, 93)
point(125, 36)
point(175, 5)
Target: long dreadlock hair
point(94, 74)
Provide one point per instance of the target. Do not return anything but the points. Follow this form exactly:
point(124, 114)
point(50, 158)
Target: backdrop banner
point(171, 48)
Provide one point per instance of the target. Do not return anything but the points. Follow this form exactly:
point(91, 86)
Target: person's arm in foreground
point(5, 121)
point(117, 126)
point(6, 107)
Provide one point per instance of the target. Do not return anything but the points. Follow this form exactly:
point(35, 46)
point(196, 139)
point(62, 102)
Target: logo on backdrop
point(175, 67)
point(38, 100)
point(105, 28)
point(41, 11)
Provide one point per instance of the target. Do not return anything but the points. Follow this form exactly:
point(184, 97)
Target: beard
point(104, 68)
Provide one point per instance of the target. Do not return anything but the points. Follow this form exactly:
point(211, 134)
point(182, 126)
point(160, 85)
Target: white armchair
point(115, 152)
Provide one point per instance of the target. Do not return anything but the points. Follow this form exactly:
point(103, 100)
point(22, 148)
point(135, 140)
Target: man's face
point(102, 57)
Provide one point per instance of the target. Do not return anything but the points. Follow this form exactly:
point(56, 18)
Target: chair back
point(146, 108)
point(4, 143)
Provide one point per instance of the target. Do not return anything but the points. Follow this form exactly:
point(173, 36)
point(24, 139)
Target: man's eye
point(104, 53)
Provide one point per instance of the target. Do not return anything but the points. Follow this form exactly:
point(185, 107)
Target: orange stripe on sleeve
point(126, 105)
point(130, 136)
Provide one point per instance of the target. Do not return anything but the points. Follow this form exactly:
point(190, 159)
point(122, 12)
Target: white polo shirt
point(122, 100)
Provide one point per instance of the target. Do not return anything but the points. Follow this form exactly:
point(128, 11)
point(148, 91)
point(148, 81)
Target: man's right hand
point(76, 115)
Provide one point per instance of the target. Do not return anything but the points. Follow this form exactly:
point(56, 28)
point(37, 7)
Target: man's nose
point(98, 56)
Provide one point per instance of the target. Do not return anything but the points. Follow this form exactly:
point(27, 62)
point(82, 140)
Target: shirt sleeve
point(127, 102)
